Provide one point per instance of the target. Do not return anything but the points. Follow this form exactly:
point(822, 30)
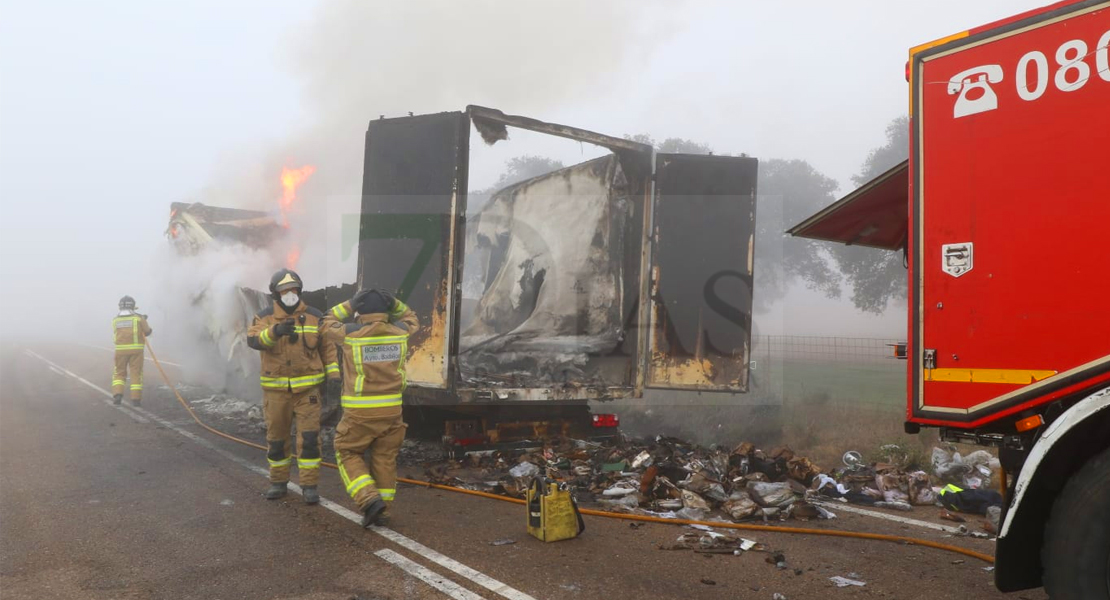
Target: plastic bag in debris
point(951, 467)
point(621, 488)
point(845, 582)
point(994, 518)
point(740, 506)
point(525, 470)
point(891, 482)
point(629, 501)
point(895, 496)
point(920, 491)
point(827, 486)
point(702, 485)
point(693, 514)
point(777, 495)
point(694, 501)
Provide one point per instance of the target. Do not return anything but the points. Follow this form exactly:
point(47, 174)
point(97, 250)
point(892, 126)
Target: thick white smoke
point(200, 313)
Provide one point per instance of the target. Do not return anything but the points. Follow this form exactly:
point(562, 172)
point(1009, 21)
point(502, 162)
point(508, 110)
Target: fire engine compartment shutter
point(875, 215)
point(700, 302)
point(413, 206)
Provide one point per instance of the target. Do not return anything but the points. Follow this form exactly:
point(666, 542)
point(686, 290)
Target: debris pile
point(666, 477)
point(671, 478)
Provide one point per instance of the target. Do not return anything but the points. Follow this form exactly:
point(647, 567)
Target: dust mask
point(290, 299)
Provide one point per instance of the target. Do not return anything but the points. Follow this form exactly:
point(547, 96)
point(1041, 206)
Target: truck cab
point(1001, 212)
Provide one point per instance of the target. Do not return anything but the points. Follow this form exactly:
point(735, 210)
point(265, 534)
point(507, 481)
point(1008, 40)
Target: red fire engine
point(1003, 213)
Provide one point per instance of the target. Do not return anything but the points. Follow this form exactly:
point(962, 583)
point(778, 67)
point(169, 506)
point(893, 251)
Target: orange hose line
point(609, 515)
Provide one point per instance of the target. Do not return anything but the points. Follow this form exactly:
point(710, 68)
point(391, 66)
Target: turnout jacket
point(373, 349)
point(287, 364)
point(130, 331)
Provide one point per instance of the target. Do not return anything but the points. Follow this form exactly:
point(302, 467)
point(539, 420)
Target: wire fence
point(811, 369)
point(846, 350)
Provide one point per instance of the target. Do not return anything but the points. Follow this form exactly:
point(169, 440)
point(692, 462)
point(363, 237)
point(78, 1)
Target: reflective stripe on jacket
point(288, 364)
point(373, 352)
point(129, 332)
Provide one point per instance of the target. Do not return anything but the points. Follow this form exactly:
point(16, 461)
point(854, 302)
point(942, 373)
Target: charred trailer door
point(413, 211)
point(700, 296)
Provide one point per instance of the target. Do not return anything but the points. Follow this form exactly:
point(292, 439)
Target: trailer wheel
point(1076, 552)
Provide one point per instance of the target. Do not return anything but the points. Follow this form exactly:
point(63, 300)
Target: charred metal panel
point(194, 225)
point(554, 297)
point(701, 287)
point(413, 209)
point(491, 125)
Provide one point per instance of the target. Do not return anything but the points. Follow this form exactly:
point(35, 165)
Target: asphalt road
point(102, 502)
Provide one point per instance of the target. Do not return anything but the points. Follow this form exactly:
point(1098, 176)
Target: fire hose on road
point(597, 513)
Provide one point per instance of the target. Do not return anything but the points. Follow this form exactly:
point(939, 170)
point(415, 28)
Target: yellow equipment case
point(552, 512)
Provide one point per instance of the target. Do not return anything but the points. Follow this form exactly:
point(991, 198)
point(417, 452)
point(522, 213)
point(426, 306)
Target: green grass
point(872, 386)
point(820, 409)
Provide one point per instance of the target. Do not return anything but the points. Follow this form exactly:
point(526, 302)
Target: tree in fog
point(876, 276)
point(517, 169)
point(671, 145)
point(788, 192)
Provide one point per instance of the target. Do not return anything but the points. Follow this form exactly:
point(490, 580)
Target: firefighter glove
point(335, 388)
point(286, 327)
point(390, 300)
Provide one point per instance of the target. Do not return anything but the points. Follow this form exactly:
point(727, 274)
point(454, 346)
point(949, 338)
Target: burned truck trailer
point(593, 282)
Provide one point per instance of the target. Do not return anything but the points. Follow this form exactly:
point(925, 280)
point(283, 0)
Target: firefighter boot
point(117, 399)
point(371, 513)
point(277, 490)
point(311, 496)
point(136, 402)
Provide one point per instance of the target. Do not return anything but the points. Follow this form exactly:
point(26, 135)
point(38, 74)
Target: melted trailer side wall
point(553, 258)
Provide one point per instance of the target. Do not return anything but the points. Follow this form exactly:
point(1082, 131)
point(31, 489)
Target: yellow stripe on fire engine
point(1011, 376)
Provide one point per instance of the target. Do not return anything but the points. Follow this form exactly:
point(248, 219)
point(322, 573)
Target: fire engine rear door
point(700, 298)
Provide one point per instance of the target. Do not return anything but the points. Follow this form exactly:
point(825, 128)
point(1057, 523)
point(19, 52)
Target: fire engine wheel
point(1076, 552)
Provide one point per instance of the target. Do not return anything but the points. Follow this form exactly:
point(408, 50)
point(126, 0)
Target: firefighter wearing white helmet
point(294, 363)
point(130, 331)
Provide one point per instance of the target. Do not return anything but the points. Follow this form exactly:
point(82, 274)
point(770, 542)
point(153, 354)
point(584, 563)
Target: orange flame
point(293, 257)
point(291, 179)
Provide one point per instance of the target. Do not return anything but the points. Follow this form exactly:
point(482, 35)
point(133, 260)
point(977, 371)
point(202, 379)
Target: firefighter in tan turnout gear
point(293, 365)
point(373, 346)
point(130, 330)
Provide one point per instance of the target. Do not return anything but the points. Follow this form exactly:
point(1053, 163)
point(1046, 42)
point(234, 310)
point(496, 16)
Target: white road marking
point(442, 584)
point(881, 515)
point(127, 410)
point(477, 577)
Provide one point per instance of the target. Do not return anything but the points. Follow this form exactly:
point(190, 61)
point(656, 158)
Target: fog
point(110, 112)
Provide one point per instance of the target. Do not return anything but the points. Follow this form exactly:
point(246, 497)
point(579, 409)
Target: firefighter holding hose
point(130, 330)
point(294, 362)
point(373, 345)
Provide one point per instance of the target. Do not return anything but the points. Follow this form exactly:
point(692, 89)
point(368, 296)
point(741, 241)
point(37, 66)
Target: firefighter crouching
point(293, 366)
point(373, 349)
point(130, 330)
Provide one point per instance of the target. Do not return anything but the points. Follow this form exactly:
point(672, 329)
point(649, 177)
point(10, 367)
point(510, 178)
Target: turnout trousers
point(128, 360)
point(358, 432)
point(280, 408)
